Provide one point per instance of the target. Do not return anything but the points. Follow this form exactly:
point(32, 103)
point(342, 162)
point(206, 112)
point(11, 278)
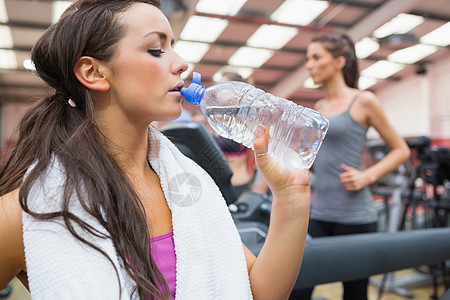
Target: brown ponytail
point(53, 128)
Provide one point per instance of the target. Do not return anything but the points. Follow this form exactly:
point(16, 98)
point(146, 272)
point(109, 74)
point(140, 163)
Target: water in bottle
point(234, 110)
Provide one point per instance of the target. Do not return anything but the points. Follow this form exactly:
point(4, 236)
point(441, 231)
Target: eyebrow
point(161, 35)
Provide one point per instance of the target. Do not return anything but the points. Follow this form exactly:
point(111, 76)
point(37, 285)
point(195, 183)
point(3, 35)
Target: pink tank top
point(163, 253)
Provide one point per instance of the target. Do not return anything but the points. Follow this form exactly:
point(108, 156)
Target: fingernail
point(259, 131)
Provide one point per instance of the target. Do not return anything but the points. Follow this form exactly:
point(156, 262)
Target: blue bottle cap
point(194, 93)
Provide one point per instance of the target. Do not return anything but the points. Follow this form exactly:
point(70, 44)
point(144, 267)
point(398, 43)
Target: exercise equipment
point(325, 259)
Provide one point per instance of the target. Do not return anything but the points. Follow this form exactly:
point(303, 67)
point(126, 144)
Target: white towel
point(210, 258)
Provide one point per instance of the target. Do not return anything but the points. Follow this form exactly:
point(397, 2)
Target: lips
point(177, 88)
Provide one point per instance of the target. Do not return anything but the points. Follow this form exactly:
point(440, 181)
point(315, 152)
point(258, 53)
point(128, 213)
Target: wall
point(10, 115)
point(420, 105)
point(440, 101)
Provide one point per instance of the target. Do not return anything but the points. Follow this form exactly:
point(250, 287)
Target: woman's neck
point(335, 88)
point(128, 144)
point(126, 136)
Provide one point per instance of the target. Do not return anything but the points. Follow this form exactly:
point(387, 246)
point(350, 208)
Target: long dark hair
point(52, 128)
point(340, 44)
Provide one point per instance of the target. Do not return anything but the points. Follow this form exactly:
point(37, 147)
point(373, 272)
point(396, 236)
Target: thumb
point(346, 168)
point(261, 145)
point(261, 142)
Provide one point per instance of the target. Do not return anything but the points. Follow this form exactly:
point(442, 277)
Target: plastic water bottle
point(234, 109)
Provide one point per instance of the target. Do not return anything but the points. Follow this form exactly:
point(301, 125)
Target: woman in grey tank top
point(342, 201)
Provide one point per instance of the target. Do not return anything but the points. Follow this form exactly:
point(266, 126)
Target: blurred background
point(403, 47)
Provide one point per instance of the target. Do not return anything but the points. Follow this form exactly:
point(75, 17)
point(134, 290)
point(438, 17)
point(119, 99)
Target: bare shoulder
point(370, 106)
point(368, 99)
point(373, 111)
point(10, 209)
point(12, 260)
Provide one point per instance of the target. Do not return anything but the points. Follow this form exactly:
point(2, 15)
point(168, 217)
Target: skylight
point(382, 69)
point(8, 59)
point(250, 57)
point(203, 29)
point(29, 65)
point(402, 23)
point(309, 84)
point(272, 36)
point(366, 82)
point(438, 37)
point(3, 14)
point(299, 12)
point(6, 40)
point(58, 8)
point(412, 54)
point(192, 52)
point(244, 72)
point(220, 7)
point(366, 47)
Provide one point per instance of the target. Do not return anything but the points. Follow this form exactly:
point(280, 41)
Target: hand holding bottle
point(234, 110)
point(282, 252)
point(284, 181)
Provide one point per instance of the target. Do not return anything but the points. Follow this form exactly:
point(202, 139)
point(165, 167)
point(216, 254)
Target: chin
point(316, 81)
point(173, 116)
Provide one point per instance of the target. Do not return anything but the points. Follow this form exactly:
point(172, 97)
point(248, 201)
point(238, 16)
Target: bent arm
point(274, 272)
point(398, 149)
point(12, 256)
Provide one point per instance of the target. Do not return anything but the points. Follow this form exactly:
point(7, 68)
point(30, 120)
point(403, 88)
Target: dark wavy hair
point(340, 44)
point(54, 129)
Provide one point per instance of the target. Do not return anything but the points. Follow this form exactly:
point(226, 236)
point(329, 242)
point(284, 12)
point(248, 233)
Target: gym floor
point(332, 291)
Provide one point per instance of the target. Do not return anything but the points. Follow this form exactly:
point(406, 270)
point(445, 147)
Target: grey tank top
point(343, 144)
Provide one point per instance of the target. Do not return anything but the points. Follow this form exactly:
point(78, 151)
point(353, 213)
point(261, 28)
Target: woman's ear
point(341, 62)
point(90, 72)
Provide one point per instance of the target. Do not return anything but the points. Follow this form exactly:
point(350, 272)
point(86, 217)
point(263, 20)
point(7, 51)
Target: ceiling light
point(6, 40)
point(58, 8)
point(366, 82)
point(8, 59)
point(272, 36)
point(29, 65)
point(299, 12)
point(192, 52)
point(203, 29)
point(250, 57)
point(382, 69)
point(3, 14)
point(402, 23)
point(220, 7)
point(438, 37)
point(412, 54)
point(244, 72)
point(309, 84)
point(366, 47)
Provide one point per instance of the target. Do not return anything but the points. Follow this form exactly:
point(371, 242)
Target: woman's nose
point(180, 64)
point(308, 64)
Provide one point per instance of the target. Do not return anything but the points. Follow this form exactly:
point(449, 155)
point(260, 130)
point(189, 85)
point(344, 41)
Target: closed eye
point(155, 52)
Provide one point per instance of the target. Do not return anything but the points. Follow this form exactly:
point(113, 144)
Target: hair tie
point(62, 93)
point(71, 103)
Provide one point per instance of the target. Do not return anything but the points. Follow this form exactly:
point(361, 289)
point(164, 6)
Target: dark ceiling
point(282, 74)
